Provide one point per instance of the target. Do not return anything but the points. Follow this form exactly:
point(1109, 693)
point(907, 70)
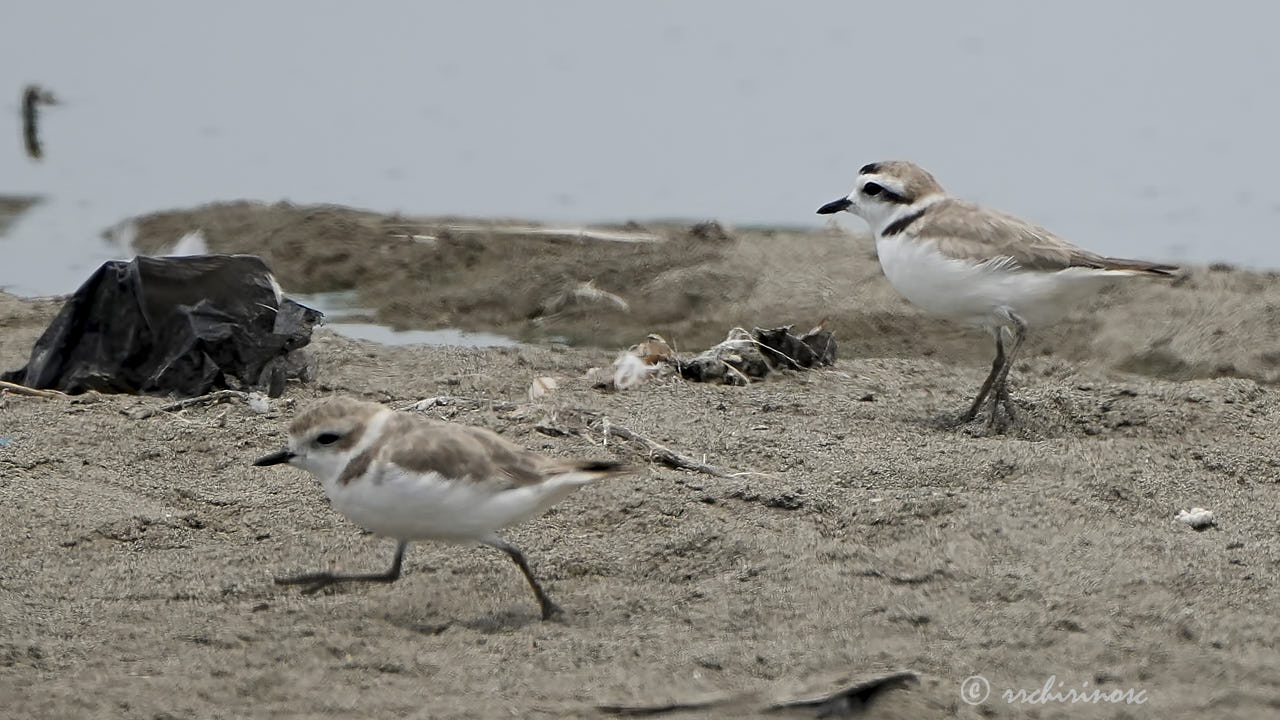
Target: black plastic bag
point(172, 325)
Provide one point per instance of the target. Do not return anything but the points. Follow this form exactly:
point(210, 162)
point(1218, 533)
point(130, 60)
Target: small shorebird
point(409, 478)
point(974, 265)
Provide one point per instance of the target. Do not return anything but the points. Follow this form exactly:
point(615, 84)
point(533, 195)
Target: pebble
point(1197, 518)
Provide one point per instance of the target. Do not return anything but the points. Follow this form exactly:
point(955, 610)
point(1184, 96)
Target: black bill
point(835, 206)
point(275, 458)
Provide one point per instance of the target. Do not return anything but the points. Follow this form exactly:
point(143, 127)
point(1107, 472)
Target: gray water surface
point(344, 315)
point(1140, 128)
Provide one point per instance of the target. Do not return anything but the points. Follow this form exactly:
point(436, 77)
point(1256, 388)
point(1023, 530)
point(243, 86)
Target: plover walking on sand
point(410, 478)
point(978, 266)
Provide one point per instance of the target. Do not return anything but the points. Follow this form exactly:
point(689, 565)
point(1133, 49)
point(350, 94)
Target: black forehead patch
point(869, 168)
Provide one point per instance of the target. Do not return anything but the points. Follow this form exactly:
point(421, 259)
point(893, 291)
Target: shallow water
point(389, 336)
point(1139, 128)
point(345, 316)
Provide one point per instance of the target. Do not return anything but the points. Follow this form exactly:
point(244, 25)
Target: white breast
point(981, 293)
point(413, 506)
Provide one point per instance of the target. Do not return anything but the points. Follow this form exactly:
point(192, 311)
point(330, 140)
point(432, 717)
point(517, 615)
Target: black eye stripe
point(872, 189)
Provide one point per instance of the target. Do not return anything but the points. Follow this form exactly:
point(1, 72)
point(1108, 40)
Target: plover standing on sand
point(409, 478)
point(978, 266)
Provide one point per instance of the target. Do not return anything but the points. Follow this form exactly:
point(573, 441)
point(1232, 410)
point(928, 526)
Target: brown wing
point(526, 466)
point(966, 231)
point(457, 452)
point(462, 453)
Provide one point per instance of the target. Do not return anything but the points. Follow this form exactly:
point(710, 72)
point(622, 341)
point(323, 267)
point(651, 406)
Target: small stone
point(1197, 518)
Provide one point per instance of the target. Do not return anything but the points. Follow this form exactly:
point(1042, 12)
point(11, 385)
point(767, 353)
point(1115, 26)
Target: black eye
point(872, 189)
point(328, 438)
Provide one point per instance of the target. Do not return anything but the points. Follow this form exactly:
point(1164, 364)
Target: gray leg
point(996, 367)
point(1001, 385)
point(549, 608)
point(321, 580)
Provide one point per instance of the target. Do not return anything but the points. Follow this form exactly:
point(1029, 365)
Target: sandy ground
point(854, 534)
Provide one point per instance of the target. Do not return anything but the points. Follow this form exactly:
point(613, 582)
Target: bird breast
point(980, 293)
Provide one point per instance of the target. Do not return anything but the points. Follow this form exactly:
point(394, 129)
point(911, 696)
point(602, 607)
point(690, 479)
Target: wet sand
point(852, 533)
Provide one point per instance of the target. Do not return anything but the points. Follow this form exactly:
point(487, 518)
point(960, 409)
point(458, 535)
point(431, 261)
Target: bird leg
point(549, 608)
point(996, 367)
point(1001, 397)
point(320, 580)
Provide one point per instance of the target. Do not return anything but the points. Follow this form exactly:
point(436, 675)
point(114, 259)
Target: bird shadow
point(488, 624)
point(1022, 422)
point(499, 622)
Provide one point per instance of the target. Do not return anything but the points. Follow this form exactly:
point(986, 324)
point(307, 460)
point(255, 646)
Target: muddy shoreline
point(695, 281)
point(853, 533)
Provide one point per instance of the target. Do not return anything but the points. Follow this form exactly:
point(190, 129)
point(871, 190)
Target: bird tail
point(1140, 267)
point(603, 467)
point(575, 473)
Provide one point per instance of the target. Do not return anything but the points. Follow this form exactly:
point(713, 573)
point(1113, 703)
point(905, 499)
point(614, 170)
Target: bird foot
point(552, 611)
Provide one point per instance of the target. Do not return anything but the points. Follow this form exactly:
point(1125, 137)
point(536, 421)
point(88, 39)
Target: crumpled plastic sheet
point(173, 326)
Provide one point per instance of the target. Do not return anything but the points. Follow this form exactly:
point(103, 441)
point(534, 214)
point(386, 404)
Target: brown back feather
point(951, 223)
point(458, 452)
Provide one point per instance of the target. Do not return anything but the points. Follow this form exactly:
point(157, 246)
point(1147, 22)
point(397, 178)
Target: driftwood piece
point(17, 389)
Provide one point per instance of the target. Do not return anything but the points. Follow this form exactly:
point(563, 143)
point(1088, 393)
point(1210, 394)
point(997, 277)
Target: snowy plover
point(410, 478)
point(981, 267)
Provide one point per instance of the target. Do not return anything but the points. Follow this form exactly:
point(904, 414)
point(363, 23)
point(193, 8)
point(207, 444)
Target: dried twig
point(17, 389)
point(446, 400)
point(657, 451)
point(214, 397)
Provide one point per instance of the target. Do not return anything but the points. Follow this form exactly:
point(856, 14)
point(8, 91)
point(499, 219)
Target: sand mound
point(693, 283)
point(845, 533)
